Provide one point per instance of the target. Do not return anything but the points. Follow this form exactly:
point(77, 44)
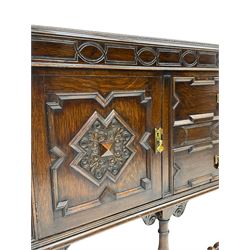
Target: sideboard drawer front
point(194, 166)
point(196, 133)
point(99, 132)
point(195, 99)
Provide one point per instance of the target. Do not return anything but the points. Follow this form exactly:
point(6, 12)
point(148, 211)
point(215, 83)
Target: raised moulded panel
point(53, 49)
point(120, 54)
point(195, 133)
point(103, 147)
point(194, 166)
point(207, 59)
point(169, 57)
point(102, 138)
point(194, 100)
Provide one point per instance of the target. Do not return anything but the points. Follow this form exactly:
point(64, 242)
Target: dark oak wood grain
point(96, 104)
point(66, 114)
point(195, 99)
point(56, 47)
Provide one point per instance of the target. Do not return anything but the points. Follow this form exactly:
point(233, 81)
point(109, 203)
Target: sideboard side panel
point(40, 156)
point(195, 129)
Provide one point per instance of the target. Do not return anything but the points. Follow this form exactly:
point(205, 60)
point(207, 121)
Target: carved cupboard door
point(93, 145)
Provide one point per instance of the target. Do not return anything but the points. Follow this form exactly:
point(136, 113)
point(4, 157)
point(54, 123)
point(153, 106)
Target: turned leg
point(163, 234)
point(164, 217)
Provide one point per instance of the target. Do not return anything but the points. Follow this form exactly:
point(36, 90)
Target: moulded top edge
point(47, 30)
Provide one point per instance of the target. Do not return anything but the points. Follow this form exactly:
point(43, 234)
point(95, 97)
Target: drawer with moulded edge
point(195, 165)
point(191, 134)
point(194, 99)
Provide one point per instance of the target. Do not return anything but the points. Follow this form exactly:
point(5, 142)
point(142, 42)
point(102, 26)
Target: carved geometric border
point(148, 49)
point(56, 41)
point(103, 101)
point(60, 158)
point(198, 180)
point(91, 44)
point(211, 135)
point(144, 139)
point(208, 65)
point(120, 62)
point(189, 52)
point(107, 193)
point(173, 51)
point(74, 144)
point(195, 148)
point(197, 118)
point(154, 50)
point(176, 101)
point(192, 183)
point(103, 48)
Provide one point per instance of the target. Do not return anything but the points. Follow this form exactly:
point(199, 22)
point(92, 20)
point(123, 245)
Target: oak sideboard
point(122, 127)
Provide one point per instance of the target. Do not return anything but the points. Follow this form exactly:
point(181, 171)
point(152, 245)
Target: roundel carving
point(103, 147)
point(147, 56)
point(91, 52)
point(189, 58)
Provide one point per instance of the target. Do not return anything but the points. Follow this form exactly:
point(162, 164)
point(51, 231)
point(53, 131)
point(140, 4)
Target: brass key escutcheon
point(158, 140)
point(216, 161)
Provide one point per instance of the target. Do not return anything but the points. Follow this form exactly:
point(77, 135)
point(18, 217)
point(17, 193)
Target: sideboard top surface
point(43, 30)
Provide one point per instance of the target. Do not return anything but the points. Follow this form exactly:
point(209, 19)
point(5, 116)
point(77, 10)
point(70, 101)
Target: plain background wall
point(221, 215)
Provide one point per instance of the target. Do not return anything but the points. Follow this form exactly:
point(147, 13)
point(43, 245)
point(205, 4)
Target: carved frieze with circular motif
point(189, 58)
point(147, 56)
point(91, 52)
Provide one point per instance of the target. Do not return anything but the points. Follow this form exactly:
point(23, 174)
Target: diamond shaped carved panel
point(103, 147)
